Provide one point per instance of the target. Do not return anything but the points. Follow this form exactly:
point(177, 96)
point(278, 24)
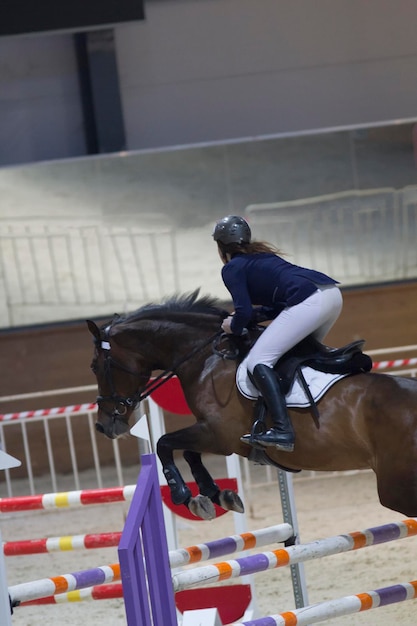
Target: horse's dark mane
point(176, 304)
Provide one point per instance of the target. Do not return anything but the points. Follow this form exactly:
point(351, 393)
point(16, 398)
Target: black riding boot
point(281, 435)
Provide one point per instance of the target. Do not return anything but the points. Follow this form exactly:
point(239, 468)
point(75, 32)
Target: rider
point(300, 302)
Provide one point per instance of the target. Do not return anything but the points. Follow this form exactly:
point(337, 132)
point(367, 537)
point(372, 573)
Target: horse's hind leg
point(226, 498)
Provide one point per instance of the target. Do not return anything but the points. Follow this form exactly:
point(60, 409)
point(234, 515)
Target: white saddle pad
point(318, 382)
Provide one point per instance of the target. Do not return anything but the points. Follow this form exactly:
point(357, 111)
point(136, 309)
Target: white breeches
point(315, 315)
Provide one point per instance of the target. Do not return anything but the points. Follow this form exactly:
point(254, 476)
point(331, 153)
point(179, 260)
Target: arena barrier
point(73, 408)
point(396, 363)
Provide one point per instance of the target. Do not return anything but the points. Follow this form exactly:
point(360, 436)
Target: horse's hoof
point(203, 507)
point(230, 501)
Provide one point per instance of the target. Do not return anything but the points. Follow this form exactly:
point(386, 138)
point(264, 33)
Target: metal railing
point(361, 237)
point(101, 475)
point(72, 265)
point(55, 269)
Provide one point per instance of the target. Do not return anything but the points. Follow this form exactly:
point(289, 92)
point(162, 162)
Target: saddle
point(348, 359)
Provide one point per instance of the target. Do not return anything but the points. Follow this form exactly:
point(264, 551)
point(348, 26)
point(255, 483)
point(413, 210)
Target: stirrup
point(258, 428)
point(271, 438)
point(250, 441)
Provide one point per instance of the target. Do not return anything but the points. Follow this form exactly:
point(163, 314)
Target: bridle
point(121, 403)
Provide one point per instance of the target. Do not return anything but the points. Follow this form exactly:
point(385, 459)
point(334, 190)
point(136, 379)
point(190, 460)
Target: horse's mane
point(187, 303)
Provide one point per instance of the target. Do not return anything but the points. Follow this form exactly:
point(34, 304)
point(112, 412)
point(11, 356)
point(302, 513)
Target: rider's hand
point(226, 326)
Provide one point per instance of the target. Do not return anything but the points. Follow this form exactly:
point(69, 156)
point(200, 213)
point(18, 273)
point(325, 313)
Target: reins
point(162, 378)
point(151, 386)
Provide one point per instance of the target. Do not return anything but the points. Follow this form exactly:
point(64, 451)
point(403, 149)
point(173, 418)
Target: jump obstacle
point(120, 494)
point(177, 558)
point(345, 606)
point(41, 589)
point(294, 554)
point(98, 592)
point(339, 607)
point(318, 549)
point(79, 583)
point(67, 499)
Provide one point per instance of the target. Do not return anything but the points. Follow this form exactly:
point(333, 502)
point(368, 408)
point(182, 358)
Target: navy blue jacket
point(269, 281)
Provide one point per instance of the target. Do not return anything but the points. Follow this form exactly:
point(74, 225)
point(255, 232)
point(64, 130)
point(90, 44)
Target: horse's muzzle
point(100, 428)
point(113, 430)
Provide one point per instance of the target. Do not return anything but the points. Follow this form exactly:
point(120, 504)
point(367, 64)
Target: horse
point(365, 421)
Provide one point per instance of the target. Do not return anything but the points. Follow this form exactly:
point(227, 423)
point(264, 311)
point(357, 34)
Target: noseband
point(121, 403)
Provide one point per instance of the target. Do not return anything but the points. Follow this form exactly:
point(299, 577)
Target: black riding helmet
point(232, 229)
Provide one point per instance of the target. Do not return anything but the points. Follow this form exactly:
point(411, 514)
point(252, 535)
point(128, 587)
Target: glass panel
point(91, 236)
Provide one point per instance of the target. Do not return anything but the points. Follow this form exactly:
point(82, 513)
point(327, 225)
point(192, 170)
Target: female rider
point(299, 302)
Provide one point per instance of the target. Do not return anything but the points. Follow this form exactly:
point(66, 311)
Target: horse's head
point(128, 349)
point(120, 378)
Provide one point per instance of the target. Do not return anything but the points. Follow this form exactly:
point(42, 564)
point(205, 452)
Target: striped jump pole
point(61, 544)
point(294, 554)
point(384, 365)
point(227, 545)
point(60, 410)
point(64, 583)
point(177, 558)
point(98, 592)
point(339, 607)
point(67, 499)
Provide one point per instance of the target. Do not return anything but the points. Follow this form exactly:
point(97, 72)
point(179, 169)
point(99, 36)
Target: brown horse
point(368, 420)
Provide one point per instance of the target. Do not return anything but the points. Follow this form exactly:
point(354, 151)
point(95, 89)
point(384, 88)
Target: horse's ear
point(94, 329)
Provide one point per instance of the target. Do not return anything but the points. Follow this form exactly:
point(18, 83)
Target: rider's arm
point(235, 280)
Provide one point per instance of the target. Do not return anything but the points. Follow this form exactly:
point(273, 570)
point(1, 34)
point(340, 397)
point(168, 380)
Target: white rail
point(75, 267)
point(102, 476)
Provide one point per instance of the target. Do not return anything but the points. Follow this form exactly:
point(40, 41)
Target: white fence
point(357, 236)
point(63, 268)
point(71, 265)
point(101, 474)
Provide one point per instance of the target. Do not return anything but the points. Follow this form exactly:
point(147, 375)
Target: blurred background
point(122, 143)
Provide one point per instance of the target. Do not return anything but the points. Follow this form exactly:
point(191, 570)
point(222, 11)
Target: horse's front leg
point(201, 506)
point(192, 439)
point(225, 498)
